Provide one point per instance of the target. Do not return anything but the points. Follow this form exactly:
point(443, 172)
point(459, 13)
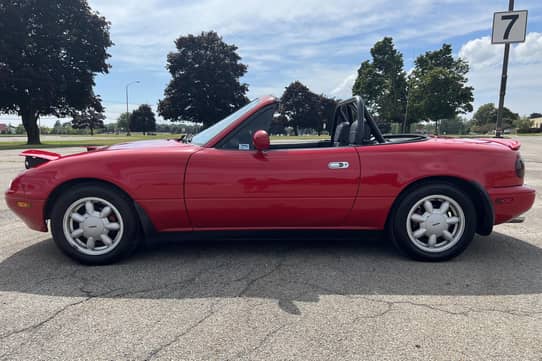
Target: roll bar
point(354, 109)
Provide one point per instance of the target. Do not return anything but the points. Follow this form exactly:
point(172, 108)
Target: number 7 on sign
point(514, 18)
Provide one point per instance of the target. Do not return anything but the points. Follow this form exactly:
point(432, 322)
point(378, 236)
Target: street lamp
point(127, 114)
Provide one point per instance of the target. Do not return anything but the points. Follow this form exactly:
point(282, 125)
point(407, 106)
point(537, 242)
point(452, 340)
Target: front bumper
point(511, 202)
point(30, 210)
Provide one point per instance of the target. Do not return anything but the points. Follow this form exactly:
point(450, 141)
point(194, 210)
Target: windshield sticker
point(244, 146)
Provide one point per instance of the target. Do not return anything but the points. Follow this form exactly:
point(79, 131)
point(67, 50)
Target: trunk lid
point(36, 157)
point(510, 143)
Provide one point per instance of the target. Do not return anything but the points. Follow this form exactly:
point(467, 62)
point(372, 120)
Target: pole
point(127, 115)
point(405, 121)
point(406, 113)
point(504, 77)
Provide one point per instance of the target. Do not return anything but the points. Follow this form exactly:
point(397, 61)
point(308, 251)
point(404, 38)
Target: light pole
point(127, 114)
point(409, 83)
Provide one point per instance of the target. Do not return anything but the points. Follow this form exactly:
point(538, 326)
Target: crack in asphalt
point(178, 337)
point(433, 307)
point(466, 313)
point(259, 278)
point(168, 285)
point(265, 339)
point(87, 294)
point(43, 322)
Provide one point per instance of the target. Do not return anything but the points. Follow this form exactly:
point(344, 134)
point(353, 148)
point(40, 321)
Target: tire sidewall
point(399, 230)
point(129, 239)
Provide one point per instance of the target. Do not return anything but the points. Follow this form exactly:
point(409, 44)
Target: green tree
point(278, 125)
point(326, 110)
point(142, 119)
point(50, 52)
point(300, 106)
point(485, 118)
point(19, 129)
point(57, 128)
point(110, 128)
point(438, 86)
point(122, 121)
point(67, 128)
point(455, 125)
point(383, 125)
point(88, 119)
point(205, 83)
point(523, 124)
point(382, 82)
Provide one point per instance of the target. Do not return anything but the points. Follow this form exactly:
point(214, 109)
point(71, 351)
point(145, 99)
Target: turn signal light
point(22, 204)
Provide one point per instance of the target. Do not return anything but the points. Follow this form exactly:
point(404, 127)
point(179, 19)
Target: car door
point(282, 188)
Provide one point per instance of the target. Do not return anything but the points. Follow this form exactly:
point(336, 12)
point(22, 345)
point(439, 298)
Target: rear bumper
point(510, 202)
point(32, 215)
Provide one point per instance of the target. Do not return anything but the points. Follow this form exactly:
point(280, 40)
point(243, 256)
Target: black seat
point(360, 133)
point(341, 137)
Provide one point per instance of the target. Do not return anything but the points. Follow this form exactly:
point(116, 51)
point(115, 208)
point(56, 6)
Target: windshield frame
point(213, 134)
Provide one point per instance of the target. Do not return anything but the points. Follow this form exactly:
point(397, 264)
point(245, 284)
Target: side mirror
point(260, 139)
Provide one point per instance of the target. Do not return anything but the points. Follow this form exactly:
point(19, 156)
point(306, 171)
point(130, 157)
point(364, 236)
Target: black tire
point(126, 243)
point(416, 248)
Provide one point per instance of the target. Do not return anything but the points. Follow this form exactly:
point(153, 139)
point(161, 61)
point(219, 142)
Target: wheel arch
point(485, 215)
point(143, 218)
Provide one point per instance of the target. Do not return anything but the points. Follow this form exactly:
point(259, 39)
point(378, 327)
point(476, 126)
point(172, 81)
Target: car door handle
point(338, 165)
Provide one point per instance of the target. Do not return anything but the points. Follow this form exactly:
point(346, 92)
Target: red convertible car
point(430, 194)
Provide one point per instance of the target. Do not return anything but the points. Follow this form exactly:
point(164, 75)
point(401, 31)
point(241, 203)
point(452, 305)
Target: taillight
point(520, 167)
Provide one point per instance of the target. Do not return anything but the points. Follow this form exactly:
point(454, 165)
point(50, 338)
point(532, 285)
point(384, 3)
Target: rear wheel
point(435, 222)
point(94, 224)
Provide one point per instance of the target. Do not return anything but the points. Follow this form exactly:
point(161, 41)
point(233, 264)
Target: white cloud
point(344, 89)
point(525, 66)
point(481, 53)
point(530, 51)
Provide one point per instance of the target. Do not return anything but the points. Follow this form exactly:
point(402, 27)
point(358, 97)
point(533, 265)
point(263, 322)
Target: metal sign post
point(508, 27)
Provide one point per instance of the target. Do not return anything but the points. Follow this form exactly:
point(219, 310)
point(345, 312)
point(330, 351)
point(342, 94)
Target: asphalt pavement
point(288, 299)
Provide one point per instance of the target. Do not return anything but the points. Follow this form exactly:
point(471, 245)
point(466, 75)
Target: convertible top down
point(430, 194)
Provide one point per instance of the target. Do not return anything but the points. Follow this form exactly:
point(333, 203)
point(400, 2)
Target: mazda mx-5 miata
point(430, 194)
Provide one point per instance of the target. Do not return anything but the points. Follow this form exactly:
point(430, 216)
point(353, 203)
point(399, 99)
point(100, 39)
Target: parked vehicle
point(430, 194)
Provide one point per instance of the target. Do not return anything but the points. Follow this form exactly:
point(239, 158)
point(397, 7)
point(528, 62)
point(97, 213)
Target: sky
point(320, 43)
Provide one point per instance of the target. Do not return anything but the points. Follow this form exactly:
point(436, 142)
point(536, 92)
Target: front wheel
point(435, 222)
point(94, 224)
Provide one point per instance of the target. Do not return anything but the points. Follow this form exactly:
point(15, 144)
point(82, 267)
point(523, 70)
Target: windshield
point(204, 136)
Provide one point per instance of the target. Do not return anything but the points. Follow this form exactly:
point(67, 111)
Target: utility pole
point(127, 111)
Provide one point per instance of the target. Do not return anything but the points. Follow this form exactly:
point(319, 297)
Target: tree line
point(51, 51)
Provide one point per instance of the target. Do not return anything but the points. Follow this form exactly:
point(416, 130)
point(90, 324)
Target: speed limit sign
point(509, 27)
